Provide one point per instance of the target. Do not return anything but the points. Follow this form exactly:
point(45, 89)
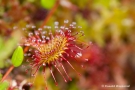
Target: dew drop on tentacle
point(79, 26)
point(71, 66)
point(56, 27)
point(80, 34)
point(23, 66)
point(82, 66)
point(49, 27)
point(67, 29)
point(27, 44)
point(65, 72)
point(84, 44)
point(47, 38)
point(78, 55)
point(39, 40)
point(56, 23)
point(76, 33)
point(44, 64)
point(70, 25)
point(33, 40)
point(53, 75)
point(62, 27)
point(58, 62)
point(29, 54)
point(33, 27)
point(43, 35)
point(66, 21)
point(39, 29)
point(36, 33)
point(25, 54)
point(44, 27)
point(36, 70)
point(27, 60)
point(74, 25)
point(61, 32)
point(30, 49)
point(60, 72)
point(23, 29)
point(15, 27)
point(27, 26)
point(86, 59)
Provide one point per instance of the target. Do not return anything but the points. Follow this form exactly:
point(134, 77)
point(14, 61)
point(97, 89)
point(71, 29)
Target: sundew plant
point(49, 49)
point(67, 44)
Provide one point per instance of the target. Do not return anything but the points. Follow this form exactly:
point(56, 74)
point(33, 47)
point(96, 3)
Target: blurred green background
point(108, 26)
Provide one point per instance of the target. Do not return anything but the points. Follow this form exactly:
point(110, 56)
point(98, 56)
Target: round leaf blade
point(17, 57)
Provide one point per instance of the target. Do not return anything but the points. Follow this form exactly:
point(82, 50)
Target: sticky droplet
point(86, 59)
point(56, 23)
point(78, 55)
point(44, 64)
point(66, 21)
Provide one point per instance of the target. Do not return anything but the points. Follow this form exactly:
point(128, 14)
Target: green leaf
point(17, 57)
point(47, 4)
point(4, 85)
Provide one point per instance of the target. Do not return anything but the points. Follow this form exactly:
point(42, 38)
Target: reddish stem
point(50, 13)
point(7, 73)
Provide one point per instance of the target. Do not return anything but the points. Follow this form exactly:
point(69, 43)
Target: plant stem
point(50, 13)
point(7, 73)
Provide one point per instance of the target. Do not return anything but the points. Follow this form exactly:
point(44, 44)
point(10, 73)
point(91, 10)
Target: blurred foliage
point(109, 24)
point(4, 85)
point(7, 47)
point(48, 4)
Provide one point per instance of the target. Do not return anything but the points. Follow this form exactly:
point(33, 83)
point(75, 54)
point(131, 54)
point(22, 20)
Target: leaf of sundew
point(4, 85)
point(17, 57)
point(47, 4)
